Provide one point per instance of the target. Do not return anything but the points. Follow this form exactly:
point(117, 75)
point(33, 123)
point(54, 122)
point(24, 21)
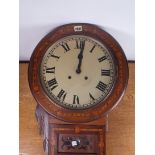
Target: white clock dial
point(77, 72)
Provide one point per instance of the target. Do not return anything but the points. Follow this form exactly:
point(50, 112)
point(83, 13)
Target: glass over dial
point(77, 72)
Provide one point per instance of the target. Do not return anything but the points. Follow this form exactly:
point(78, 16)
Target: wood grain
point(120, 135)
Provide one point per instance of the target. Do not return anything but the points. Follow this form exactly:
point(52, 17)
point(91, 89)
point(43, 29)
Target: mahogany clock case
point(99, 110)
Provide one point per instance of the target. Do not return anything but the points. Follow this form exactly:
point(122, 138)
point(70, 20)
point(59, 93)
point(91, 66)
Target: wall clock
point(77, 73)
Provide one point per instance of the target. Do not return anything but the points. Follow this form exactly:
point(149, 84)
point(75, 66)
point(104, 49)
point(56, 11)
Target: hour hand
point(80, 57)
point(78, 70)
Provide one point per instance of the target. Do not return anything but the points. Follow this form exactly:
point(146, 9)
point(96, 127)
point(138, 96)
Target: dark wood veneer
point(59, 125)
point(91, 113)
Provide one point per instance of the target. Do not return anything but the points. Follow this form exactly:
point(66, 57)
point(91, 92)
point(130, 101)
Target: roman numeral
point(105, 72)
point(50, 70)
point(66, 47)
point(80, 44)
point(75, 99)
point(101, 86)
point(62, 94)
point(52, 83)
point(54, 56)
point(92, 49)
point(92, 98)
point(102, 58)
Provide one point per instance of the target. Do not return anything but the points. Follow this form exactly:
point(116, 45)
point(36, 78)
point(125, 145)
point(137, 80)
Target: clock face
point(77, 72)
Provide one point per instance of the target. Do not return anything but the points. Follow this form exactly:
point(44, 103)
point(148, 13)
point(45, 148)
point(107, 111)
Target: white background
point(38, 17)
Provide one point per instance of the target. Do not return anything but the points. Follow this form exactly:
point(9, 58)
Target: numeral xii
point(80, 44)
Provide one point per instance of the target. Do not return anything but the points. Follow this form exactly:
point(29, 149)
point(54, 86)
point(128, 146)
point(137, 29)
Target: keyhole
point(69, 77)
point(86, 78)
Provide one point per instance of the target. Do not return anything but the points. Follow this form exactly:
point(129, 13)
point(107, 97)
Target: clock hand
point(80, 57)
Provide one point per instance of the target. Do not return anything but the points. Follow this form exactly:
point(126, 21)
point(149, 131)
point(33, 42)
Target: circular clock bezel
point(94, 112)
point(97, 101)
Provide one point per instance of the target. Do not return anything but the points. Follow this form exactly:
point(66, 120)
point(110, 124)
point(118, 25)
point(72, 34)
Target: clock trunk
point(63, 138)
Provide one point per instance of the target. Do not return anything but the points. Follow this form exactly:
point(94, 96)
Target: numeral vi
point(75, 99)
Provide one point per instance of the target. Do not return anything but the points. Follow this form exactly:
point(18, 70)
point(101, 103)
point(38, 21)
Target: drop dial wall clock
point(77, 74)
